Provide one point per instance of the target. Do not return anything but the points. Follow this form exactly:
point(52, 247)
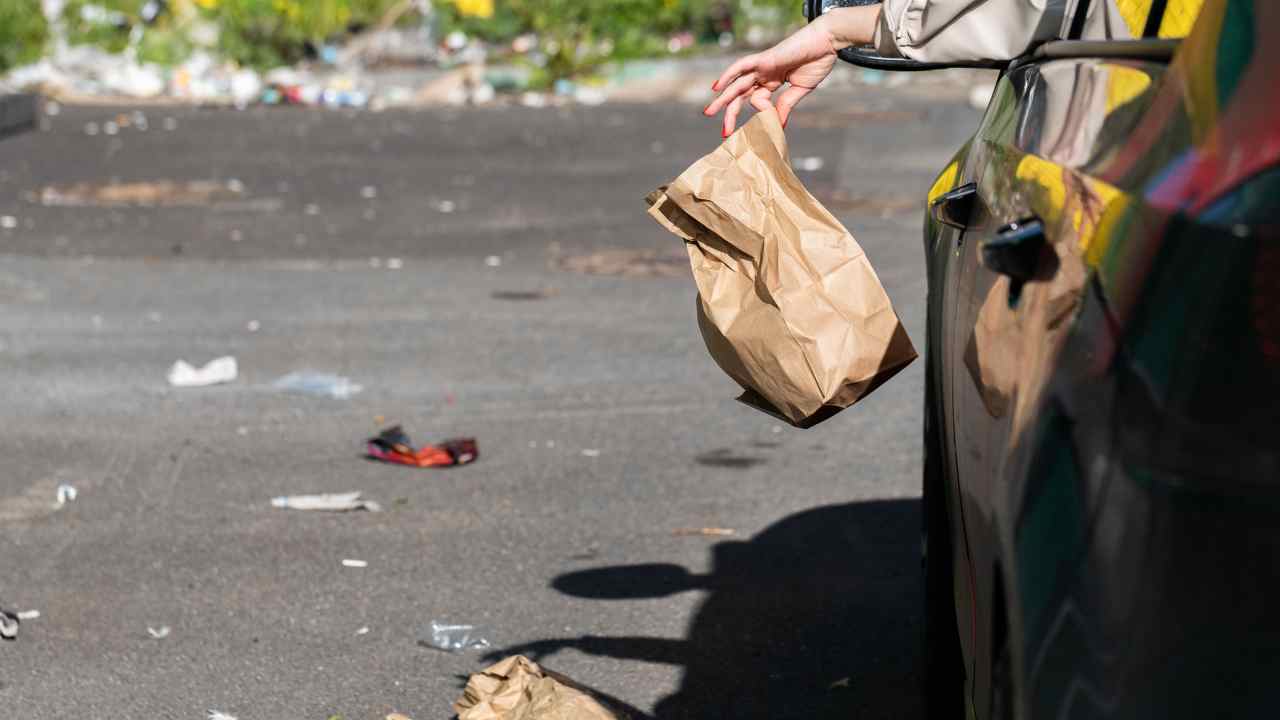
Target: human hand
point(802, 61)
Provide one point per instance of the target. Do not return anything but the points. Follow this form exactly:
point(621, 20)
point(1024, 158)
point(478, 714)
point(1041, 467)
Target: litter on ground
point(66, 493)
point(218, 370)
point(394, 446)
point(8, 626)
point(808, 164)
point(516, 688)
point(706, 531)
point(455, 637)
point(327, 502)
point(318, 383)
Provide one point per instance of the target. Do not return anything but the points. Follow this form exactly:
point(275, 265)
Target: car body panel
point(1121, 404)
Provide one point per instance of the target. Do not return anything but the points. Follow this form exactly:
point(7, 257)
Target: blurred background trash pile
point(372, 53)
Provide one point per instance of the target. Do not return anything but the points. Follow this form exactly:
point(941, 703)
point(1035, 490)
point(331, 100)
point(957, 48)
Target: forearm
point(849, 26)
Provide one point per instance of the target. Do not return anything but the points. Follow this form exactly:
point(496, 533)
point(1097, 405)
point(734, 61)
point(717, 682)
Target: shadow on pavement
point(815, 617)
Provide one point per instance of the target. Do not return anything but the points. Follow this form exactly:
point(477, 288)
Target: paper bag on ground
point(788, 304)
point(515, 688)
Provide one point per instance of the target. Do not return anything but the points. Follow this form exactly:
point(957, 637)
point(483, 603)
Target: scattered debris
point(452, 638)
point(363, 631)
point(66, 494)
point(394, 263)
point(318, 383)
point(398, 716)
point(8, 626)
point(524, 294)
point(590, 452)
point(706, 531)
point(533, 100)
point(628, 263)
point(515, 688)
point(348, 562)
point(808, 164)
point(843, 682)
point(163, 193)
point(493, 261)
point(590, 96)
point(394, 446)
point(253, 326)
point(159, 633)
point(443, 206)
point(327, 502)
point(215, 715)
point(27, 614)
point(218, 370)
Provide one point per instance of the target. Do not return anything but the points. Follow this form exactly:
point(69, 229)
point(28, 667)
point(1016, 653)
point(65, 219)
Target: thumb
point(789, 99)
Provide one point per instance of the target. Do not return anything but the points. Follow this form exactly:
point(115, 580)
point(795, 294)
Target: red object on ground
point(394, 446)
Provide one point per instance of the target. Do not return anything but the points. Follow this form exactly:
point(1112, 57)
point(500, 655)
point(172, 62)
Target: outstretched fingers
point(788, 100)
point(741, 66)
point(758, 96)
point(731, 116)
point(737, 88)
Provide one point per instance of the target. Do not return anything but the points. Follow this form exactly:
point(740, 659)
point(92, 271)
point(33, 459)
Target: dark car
point(1102, 425)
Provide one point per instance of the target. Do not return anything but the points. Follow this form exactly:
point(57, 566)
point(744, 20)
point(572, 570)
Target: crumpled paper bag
point(516, 688)
point(788, 304)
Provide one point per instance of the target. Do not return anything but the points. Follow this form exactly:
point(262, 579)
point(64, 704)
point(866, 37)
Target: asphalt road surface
point(436, 258)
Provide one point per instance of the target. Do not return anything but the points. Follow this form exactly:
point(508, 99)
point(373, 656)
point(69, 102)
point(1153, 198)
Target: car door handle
point(1015, 250)
point(954, 208)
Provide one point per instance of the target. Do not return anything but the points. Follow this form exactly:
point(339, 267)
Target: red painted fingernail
point(724, 133)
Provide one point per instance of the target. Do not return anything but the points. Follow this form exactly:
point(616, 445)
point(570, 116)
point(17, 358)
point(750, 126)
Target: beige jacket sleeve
point(943, 31)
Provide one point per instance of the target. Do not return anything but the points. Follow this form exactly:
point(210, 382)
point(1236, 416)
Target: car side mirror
point(867, 56)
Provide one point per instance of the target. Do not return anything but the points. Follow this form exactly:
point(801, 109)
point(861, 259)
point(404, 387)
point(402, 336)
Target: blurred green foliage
point(574, 36)
point(267, 33)
point(577, 35)
point(23, 32)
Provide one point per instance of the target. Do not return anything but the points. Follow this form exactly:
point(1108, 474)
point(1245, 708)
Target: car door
point(1031, 165)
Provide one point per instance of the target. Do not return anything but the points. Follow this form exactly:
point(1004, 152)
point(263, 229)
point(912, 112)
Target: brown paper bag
point(515, 688)
point(788, 304)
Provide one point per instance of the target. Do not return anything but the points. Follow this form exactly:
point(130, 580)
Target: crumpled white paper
point(218, 370)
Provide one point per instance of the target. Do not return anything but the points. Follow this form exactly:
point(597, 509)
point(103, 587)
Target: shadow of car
point(813, 617)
